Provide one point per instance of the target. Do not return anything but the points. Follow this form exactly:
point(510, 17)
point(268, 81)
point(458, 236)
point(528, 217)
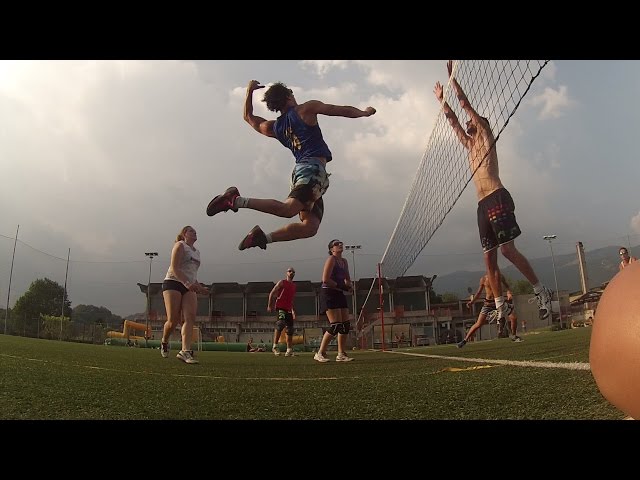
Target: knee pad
point(346, 327)
point(339, 327)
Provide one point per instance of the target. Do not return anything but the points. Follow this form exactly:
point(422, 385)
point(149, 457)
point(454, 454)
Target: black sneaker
point(224, 202)
point(462, 343)
point(255, 238)
point(164, 349)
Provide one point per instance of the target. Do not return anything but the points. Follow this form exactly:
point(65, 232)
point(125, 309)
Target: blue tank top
point(304, 141)
point(338, 274)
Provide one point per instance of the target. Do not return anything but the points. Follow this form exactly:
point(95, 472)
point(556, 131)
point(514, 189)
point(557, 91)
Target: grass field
point(545, 377)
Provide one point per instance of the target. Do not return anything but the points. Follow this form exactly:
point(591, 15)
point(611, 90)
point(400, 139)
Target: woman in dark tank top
point(335, 281)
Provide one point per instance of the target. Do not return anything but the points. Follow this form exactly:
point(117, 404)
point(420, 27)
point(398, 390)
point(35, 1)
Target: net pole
point(6, 312)
point(381, 302)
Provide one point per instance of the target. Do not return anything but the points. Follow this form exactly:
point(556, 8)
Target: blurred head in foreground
point(615, 342)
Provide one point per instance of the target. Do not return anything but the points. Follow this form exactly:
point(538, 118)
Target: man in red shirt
point(281, 297)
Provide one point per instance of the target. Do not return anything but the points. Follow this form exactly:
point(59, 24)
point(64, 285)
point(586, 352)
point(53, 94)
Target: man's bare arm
point(259, 124)
point(273, 295)
point(451, 116)
point(315, 107)
point(464, 101)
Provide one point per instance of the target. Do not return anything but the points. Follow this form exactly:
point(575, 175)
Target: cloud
point(112, 159)
point(554, 102)
point(322, 67)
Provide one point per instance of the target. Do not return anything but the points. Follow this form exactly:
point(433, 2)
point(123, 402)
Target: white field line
point(167, 374)
point(515, 363)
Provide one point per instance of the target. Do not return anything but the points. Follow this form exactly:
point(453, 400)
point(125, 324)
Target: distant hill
point(602, 265)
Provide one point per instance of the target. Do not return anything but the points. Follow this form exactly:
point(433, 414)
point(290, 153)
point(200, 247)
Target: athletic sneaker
point(544, 302)
point(224, 202)
point(164, 349)
point(342, 357)
point(186, 356)
point(462, 343)
point(255, 238)
point(318, 357)
point(289, 353)
point(516, 339)
point(500, 313)
point(275, 351)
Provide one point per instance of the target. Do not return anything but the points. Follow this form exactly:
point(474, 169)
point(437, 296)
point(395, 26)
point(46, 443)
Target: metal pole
point(150, 255)
point(380, 291)
point(555, 277)
point(64, 293)
point(355, 289)
point(6, 312)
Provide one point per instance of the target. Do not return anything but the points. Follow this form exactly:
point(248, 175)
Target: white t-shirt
point(189, 265)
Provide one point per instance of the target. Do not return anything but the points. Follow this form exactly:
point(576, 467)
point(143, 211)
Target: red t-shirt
point(285, 299)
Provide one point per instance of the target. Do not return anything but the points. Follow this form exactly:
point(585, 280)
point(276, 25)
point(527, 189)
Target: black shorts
point(332, 299)
point(285, 320)
point(496, 220)
point(174, 285)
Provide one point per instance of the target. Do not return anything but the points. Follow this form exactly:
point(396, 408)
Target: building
point(238, 311)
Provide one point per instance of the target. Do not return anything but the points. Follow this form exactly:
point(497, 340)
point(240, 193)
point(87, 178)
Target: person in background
point(335, 281)
point(180, 291)
point(625, 258)
point(281, 299)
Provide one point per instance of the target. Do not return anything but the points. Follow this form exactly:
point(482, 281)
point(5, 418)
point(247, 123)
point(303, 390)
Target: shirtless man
point(489, 311)
point(626, 259)
point(496, 218)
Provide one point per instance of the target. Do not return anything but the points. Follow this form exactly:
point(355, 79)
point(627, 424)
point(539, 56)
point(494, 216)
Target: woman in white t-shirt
point(180, 291)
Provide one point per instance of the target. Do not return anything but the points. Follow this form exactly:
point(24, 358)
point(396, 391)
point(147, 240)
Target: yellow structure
point(130, 327)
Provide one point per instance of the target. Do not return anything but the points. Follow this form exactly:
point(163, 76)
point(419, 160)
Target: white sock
point(240, 202)
point(269, 240)
point(499, 301)
point(537, 288)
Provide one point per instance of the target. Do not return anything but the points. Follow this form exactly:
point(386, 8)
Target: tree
point(44, 297)
point(434, 298)
point(56, 328)
point(449, 297)
point(521, 287)
point(90, 314)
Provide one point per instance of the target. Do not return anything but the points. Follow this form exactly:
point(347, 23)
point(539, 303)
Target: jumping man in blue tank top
point(298, 130)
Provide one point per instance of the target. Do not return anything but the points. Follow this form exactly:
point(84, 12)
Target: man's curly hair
point(276, 96)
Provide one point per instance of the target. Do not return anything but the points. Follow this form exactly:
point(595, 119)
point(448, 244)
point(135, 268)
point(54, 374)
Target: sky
point(106, 160)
